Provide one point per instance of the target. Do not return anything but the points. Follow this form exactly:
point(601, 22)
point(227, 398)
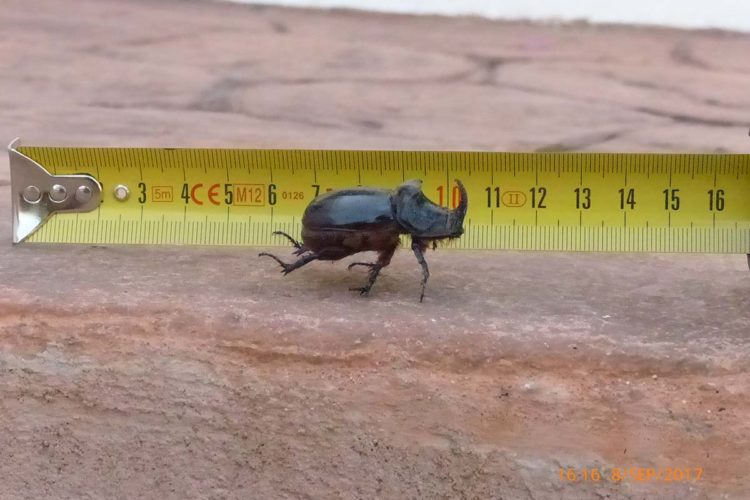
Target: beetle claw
point(363, 290)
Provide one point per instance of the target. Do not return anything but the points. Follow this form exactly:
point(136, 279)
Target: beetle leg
point(364, 290)
point(288, 268)
point(419, 247)
point(295, 243)
point(366, 264)
point(383, 260)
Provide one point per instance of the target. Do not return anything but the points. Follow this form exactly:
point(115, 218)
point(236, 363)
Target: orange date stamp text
point(636, 474)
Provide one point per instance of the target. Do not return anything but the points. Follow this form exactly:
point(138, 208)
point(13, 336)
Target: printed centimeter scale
point(525, 201)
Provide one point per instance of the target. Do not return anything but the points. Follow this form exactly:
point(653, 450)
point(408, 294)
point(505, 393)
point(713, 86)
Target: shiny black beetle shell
point(354, 208)
point(406, 206)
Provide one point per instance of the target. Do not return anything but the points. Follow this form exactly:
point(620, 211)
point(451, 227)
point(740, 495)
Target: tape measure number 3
point(601, 202)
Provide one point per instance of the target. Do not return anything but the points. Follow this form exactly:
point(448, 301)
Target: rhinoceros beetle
point(344, 222)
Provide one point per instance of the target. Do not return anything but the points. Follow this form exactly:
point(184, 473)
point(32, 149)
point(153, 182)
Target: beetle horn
point(457, 214)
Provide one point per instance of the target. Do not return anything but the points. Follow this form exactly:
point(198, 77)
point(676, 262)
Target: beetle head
point(421, 217)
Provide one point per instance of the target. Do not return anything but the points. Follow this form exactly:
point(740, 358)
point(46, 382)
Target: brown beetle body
point(348, 221)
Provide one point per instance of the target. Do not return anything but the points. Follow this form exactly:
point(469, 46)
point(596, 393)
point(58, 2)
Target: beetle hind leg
point(288, 268)
point(300, 248)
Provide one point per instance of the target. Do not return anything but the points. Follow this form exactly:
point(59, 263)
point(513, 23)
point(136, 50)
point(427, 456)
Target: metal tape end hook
point(14, 144)
point(37, 194)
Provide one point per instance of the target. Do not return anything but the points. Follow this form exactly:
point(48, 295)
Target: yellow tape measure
point(521, 201)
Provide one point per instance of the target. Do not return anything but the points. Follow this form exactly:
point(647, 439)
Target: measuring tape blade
point(599, 202)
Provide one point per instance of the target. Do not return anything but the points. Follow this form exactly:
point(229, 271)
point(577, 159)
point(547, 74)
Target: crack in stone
point(672, 90)
point(279, 27)
point(691, 119)
point(488, 65)
point(682, 53)
point(675, 117)
point(580, 143)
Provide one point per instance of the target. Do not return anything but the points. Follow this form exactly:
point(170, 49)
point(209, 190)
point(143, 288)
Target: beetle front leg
point(419, 246)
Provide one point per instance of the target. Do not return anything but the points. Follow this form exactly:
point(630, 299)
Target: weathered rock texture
point(202, 373)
